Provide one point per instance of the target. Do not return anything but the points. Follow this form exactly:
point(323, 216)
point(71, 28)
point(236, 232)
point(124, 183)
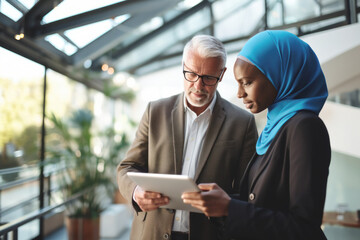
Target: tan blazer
point(158, 148)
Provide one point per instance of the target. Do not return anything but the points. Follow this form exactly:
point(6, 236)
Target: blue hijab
point(294, 70)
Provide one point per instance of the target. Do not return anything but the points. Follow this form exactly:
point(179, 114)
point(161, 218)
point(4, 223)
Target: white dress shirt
point(195, 131)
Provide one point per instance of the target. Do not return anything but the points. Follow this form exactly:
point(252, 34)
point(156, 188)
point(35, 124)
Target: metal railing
point(13, 226)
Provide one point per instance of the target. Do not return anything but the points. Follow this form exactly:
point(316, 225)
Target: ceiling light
point(104, 67)
point(111, 70)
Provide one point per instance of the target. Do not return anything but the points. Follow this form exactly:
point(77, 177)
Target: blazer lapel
point(177, 120)
point(216, 121)
point(263, 165)
point(265, 160)
point(244, 182)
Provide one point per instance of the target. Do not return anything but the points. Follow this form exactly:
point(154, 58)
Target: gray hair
point(206, 46)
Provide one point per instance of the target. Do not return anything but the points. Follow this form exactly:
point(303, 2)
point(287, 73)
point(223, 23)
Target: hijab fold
point(294, 70)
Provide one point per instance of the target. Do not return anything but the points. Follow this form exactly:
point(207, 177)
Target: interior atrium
point(88, 66)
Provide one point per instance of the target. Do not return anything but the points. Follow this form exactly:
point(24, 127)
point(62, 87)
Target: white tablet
point(170, 185)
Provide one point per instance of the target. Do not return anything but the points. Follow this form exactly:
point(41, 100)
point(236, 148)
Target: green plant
point(28, 141)
point(116, 146)
point(84, 169)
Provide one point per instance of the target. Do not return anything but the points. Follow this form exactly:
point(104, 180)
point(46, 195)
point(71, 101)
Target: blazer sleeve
point(308, 151)
point(136, 159)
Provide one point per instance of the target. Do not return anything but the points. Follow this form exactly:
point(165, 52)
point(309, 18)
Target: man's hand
point(212, 200)
point(148, 201)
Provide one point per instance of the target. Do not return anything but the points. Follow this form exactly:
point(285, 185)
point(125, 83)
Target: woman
point(283, 190)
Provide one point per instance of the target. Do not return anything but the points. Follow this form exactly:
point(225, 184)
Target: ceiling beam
point(28, 50)
point(259, 27)
point(39, 51)
point(123, 63)
point(18, 5)
point(53, 51)
point(310, 20)
point(11, 28)
point(111, 11)
point(163, 28)
point(115, 36)
point(69, 40)
point(28, 46)
point(32, 19)
point(6, 22)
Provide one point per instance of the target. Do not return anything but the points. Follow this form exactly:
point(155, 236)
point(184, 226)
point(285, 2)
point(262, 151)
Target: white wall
point(338, 51)
point(342, 122)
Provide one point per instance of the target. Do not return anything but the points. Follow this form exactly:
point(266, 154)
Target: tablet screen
point(170, 185)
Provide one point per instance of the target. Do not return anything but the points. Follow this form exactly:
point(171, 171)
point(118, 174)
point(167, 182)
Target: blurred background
point(76, 76)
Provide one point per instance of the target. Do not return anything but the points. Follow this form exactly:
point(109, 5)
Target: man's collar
point(210, 107)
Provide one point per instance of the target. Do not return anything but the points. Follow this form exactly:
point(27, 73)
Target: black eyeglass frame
point(202, 77)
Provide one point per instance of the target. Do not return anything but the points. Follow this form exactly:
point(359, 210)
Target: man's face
point(197, 94)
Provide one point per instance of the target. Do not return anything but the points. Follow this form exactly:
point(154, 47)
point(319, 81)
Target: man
point(195, 133)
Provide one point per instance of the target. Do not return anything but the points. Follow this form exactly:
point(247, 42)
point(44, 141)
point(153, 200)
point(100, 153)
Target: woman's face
point(255, 89)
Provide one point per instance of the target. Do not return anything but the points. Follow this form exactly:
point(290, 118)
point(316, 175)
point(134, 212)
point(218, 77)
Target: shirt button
point(251, 196)
point(166, 236)
point(177, 219)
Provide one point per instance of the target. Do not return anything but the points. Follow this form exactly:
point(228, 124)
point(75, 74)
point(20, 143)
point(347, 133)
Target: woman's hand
point(212, 200)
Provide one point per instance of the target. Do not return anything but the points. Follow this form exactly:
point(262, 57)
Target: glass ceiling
point(141, 36)
point(68, 8)
point(10, 11)
point(83, 35)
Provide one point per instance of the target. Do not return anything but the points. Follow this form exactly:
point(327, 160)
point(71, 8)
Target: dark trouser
point(179, 236)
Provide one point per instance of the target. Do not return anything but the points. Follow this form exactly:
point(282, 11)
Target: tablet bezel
point(171, 185)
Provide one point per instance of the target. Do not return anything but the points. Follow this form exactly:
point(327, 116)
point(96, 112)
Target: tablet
point(170, 185)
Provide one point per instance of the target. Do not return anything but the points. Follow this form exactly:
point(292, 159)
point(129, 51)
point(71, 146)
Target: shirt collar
point(210, 107)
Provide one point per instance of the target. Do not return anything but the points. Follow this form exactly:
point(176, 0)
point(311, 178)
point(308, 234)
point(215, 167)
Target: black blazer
point(285, 199)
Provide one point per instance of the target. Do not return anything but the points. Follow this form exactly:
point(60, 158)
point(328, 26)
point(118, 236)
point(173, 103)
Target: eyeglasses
point(205, 79)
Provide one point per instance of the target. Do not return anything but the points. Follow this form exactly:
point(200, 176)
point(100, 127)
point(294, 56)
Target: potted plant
point(84, 171)
point(116, 147)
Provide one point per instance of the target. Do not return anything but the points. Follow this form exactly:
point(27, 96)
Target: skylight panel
point(57, 41)
point(10, 11)
point(69, 8)
point(83, 35)
point(28, 3)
